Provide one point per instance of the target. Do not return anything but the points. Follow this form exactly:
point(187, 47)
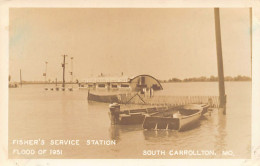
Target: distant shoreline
point(31, 83)
point(208, 79)
point(28, 82)
point(238, 78)
point(203, 81)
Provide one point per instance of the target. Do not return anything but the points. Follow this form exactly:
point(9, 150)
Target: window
point(124, 85)
point(142, 80)
point(101, 85)
point(114, 86)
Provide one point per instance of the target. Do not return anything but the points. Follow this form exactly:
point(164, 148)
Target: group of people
point(148, 92)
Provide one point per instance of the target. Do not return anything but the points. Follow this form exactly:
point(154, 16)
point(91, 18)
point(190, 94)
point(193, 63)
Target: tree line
point(208, 79)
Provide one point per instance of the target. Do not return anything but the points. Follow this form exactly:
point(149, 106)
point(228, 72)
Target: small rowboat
point(103, 98)
point(204, 107)
point(175, 119)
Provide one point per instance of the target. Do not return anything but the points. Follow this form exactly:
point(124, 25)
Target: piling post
point(46, 63)
point(222, 95)
point(63, 66)
point(21, 82)
point(71, 69)
point(251, 26)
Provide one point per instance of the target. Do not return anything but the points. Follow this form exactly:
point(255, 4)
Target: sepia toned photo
point(130, 83)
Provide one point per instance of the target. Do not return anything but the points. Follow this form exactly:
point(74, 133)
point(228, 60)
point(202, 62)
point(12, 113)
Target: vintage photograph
point(130, 83)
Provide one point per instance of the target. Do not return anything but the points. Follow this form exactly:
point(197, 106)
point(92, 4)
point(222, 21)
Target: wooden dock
point(169, 100)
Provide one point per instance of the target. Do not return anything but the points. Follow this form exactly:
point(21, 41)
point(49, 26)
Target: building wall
point(137, 83)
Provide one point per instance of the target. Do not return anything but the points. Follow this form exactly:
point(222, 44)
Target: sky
point(165, 43)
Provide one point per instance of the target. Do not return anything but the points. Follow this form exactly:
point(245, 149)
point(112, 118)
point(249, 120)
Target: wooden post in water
point(21, 82)
point(63, 66)
point(46, 71)
point(251, 26)
point(222, 95)
point(71, 73)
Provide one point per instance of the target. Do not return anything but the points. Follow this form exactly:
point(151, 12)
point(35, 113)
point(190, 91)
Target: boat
point(176, 119)
point(115, 97)
point(106, 98)
point(204, 107)
point(131, 116)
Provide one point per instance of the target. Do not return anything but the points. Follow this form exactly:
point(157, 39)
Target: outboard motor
point(114, 113)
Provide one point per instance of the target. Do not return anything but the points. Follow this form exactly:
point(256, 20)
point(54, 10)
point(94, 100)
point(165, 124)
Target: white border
point(4, 66)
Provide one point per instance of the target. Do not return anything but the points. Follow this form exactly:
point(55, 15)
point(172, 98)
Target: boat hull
point(133, 116)
point(130, 119)
point(203, 107)
point(161, 123)
point(188, 121)
point(166, 120)
point(103, 98)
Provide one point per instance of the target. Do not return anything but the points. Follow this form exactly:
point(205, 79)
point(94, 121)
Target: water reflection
point(191, 127)
point(220, 136)
point(151, 134)
point(159, 134)
point(116, 131)
point(204, 118)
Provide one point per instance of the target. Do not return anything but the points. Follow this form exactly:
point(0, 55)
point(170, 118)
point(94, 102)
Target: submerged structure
point(136, 83)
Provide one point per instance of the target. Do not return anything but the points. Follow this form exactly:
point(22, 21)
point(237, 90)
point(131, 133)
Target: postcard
point(85, 80)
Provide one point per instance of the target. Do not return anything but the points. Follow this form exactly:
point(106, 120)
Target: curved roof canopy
point(146, 75)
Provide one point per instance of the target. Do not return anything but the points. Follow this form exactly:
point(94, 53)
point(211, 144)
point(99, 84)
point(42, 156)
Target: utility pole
point(222, 95)
point(63, 66)
point(251, 26)
point(21, 82)
point(46, 71)
point(71, 73)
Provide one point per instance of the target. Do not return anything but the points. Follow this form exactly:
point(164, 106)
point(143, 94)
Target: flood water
point(38, 114)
